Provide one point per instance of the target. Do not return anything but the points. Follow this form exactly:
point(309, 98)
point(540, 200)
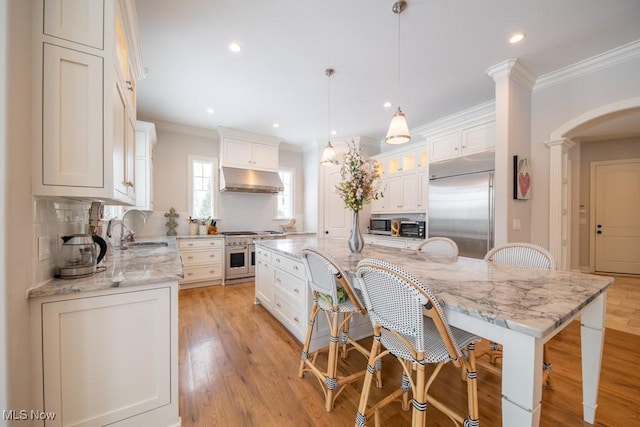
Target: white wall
point(237, 211)
point(555, 106)
point(15, 205)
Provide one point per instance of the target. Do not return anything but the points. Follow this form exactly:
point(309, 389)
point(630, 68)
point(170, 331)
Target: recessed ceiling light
point(276, 125)
point(235, 47)
point(333, 132)
point(210, 110)
point(516, 38)
point(386, 104)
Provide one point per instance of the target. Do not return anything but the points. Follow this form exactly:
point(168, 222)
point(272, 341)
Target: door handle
point(599, 226)
point(599, 232)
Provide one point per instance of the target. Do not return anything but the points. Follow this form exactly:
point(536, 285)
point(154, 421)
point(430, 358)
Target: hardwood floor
point(238, 367)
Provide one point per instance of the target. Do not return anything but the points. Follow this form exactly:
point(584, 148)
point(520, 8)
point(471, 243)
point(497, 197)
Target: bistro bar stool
point(333, 296)
point(439, 247)
point(525, 255)
point(396, 302)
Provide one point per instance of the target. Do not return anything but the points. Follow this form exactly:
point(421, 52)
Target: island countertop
point(532, 301)
point(138, 265)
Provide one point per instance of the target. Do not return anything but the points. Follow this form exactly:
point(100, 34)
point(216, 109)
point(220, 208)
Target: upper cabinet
point(245, 150)
point(401, 181)
point(145, 141)
point(76, 21)
point(87, 60)
point(463, 141)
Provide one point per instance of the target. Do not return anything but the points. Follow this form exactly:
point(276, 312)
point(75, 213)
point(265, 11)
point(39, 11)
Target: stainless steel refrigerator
point(461, 204)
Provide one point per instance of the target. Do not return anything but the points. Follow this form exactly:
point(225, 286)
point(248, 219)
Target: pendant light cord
point(398, 79)
point(329, 72)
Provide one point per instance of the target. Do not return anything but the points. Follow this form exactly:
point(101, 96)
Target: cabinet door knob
point(129, 85)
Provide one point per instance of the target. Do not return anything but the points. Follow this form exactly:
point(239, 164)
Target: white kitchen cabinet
point(400, 182)
point(84, 116)
point(72, 148)
point(145, 141)
point(247, 150)
point(462, 142)
point(249, 155)
point(281, 288)
point(79, 21)
point(123, 145)
point(265, 279)
point(108, 357)
point(423, 191)
point(202, 261)
point(392, 242)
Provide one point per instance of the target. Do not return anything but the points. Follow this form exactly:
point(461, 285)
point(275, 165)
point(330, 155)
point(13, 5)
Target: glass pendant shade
point(398, 132)
point(329, 157)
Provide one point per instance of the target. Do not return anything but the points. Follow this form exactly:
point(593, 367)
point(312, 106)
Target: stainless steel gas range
point(240, 258)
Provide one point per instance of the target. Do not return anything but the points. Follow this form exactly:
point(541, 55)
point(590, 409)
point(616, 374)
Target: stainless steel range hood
point(249, 181)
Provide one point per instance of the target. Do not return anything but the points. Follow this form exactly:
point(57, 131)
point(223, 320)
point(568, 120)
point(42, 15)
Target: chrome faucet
point(130, 234)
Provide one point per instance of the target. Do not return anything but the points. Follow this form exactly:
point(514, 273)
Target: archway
point(559, 144)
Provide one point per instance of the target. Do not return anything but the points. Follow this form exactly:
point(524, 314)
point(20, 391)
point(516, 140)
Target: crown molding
point(511, 68)
point(185, 130)
point(479, 114)
point(611, 57)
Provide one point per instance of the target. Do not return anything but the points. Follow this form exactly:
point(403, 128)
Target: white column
point(558, 200)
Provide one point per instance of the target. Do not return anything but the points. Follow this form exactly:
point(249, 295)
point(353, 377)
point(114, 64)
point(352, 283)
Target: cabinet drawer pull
point(129, 85)
point(189, 274)
point(212, 256)
point(295, 267)
point(278, 305)
point(189, 257)
point(189, 244)
point(296, 319)
point(211, 271)
point(278, 280)
point(296, 290)
point(277, 259)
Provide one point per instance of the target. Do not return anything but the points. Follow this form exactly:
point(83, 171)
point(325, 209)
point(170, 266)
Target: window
point(202, 186)
point(284, 205)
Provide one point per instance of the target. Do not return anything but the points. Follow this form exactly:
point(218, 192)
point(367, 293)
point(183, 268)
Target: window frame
point(215, 191)
point(292, 173)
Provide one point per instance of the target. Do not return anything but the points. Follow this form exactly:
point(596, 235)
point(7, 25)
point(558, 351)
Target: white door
point(617, 216)
point(336, 216)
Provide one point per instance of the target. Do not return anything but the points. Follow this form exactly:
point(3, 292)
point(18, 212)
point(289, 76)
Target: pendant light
point(329, 157)
point(398, 132)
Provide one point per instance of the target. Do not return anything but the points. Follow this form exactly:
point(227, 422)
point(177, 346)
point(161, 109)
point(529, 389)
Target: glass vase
point(356, 242)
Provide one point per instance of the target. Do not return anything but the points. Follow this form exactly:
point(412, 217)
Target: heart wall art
point(521, 179)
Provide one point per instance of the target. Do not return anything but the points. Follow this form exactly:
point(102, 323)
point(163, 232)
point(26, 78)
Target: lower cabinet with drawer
point(202, 260)
point(281, 288)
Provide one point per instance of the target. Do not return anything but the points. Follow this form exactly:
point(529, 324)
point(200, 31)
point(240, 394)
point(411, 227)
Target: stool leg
point(307, 339)
point(419, 397)
point(472, 386)
point(331, 381)
point(546, 367)
point(361, 419)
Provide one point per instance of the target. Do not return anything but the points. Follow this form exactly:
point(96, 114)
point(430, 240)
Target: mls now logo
point(23, 414)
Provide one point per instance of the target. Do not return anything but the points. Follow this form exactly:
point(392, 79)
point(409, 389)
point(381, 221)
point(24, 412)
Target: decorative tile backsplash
point(52, 220)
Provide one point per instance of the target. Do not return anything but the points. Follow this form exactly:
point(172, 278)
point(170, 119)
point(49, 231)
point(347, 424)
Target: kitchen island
point(521, 308)
point(105, 347)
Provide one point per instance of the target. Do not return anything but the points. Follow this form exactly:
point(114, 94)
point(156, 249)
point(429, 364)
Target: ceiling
point(445, 48)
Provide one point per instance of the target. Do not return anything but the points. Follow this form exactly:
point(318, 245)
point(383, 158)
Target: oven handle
point(235, 248)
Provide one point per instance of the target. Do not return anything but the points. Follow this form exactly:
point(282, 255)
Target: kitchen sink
point(145, 244)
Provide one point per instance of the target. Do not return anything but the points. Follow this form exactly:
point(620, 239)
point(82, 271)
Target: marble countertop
point(277, 235)
point(531, 301)
point(140, 265)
